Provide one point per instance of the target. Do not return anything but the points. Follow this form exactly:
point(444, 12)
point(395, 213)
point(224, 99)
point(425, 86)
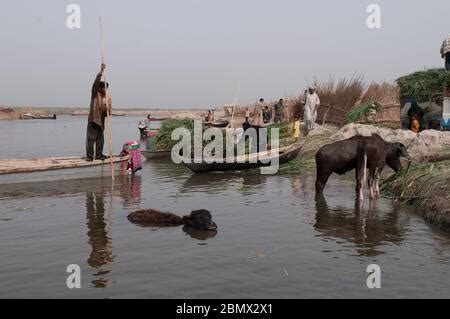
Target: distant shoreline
point(16, 112)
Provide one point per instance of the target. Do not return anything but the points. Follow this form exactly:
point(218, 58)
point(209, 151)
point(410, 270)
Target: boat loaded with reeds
point(159, 144)
point(253, 160)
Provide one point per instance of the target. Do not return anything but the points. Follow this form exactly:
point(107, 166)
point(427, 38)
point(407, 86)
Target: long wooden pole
point(238, 87)
point(108, 124)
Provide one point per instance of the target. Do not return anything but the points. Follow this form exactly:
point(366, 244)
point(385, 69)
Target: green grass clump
point(361, 111)
point(163, 139)
point(286, 129)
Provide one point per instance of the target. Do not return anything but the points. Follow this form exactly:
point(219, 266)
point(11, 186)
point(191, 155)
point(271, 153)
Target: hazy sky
point(192, 53)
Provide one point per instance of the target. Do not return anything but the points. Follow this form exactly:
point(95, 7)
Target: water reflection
point(215, 182)
point(369, 230)
point(199, 233)
point(164, 167)
point(253, 182)
point(99, 237)
point(130, 190)
point(99, 221)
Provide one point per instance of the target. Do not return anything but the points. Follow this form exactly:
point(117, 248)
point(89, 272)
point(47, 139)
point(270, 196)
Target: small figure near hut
point(143, 127)
point(258, 117)
point(372, 113)
point(247, 114)
point(279, 111)
point(415, 126)
point(261, 103)
point(267, 115)
point(210, 116)
point(415, 112)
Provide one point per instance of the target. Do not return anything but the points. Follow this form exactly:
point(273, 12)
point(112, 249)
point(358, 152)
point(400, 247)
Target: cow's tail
point(362, 161)
point(365, 167)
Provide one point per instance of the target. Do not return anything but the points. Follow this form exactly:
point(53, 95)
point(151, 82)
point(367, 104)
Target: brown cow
point(359, 153)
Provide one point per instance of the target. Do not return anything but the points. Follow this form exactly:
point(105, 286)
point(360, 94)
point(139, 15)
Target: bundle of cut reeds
point(424, 86)
point(163, 139)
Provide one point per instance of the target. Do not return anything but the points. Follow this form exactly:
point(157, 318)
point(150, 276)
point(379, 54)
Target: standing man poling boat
point(96, 121)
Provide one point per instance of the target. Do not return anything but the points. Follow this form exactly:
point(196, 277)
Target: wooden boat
point(217, 123)
point(33, 116)
point(157, 119)
point(284, 154)
point(80, 113)
point(57, 168)
point(149, 154)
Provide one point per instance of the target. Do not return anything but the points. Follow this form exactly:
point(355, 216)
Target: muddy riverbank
point(425, 186)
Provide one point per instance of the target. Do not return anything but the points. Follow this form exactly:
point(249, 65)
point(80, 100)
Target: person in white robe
point(312, 103)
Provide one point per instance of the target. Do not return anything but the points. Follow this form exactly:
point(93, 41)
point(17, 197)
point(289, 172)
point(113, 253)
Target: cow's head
point(395, 151)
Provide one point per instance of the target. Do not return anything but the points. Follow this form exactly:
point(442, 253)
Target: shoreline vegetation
point(425, 186)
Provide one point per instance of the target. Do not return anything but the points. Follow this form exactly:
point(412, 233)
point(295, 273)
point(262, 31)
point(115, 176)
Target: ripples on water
point(274, 239)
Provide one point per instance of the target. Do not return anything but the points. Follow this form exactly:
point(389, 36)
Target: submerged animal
point(359, 153)
point(198, 219)
point(153, 217)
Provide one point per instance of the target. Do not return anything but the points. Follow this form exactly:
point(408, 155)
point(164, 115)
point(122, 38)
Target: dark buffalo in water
point(198, 219)
point(152, 217)
point(359, 153)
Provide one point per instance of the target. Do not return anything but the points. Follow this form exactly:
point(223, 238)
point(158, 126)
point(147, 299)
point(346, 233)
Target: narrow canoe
point(218, 123)
point(57, 168)
point(254, 160)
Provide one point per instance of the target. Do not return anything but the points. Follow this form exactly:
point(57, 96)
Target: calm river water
point(273, 241)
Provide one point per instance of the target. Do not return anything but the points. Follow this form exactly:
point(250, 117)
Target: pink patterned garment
point(135, 163)
point(136, 160)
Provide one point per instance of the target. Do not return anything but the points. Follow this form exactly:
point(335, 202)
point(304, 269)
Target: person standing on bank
point(312, 103)
point(279, 111)
point(96, 119)
point(445, 52)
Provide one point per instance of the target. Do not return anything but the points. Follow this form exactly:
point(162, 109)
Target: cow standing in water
point(359, 153)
